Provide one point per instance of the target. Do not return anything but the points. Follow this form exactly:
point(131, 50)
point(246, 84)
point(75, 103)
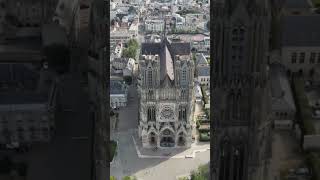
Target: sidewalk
point(169, 153)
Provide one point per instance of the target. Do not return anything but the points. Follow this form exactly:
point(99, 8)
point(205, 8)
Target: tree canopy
point(131, 50)
point(201, 174)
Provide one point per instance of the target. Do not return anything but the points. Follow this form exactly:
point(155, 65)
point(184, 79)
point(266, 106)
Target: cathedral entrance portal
point(181, 140)
point(152, 139)
point(167, 139)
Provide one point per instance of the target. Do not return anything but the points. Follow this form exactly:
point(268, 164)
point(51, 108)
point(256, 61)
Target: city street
point(127, 161)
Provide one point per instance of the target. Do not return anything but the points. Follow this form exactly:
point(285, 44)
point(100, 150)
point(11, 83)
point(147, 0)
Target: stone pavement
point(169, 153)
point(128, 162)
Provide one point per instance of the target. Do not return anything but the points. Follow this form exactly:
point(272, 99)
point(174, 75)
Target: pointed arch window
point(235, 106)
point(149, 76)
point(151, 114)
point(231, 104)
point(238, 160)
point(183, 113)
point(224, 171)
point(183, 94)
point(150, 94)
point(184, 76)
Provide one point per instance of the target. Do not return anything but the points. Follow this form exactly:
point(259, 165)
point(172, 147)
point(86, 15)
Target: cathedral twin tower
point(166, 94)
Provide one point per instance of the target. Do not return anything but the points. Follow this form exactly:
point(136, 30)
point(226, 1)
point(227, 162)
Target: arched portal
point(167, 138)
point(181, 139)
point(225, 155)
point(153, 139)
point(238, 160)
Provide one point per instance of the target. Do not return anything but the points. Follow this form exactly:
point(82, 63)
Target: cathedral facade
point(166, 94)
point(241, 143)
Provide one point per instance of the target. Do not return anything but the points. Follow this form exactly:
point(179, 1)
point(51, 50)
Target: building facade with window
point(203, 75)
point(166, 94)
point(154, 25)
point(27, 105)
point(300, 50)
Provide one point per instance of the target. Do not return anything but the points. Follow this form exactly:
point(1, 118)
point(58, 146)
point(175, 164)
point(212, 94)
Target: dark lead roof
point(167, 51)
point(301, 30)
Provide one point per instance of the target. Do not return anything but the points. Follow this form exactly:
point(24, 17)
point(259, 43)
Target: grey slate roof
point(282, 98)
point(117, 87)
point(201, 60)
point(203, 71)
point(301, 30)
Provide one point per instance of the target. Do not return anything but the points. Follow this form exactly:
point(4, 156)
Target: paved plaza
point(147, 164)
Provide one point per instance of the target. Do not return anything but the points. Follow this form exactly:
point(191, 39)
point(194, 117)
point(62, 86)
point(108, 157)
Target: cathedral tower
point(240, 124)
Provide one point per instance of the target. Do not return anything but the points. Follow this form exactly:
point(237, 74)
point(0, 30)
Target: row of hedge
point(201, 174)
point(124, 178)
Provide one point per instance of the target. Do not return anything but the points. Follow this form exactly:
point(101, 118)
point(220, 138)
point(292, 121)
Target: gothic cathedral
point(241, 128)
point(166, 94)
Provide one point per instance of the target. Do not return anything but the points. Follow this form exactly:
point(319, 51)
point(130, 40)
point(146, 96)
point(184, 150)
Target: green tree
point(113, 178)
point(129, 178)
point(194, 57)
point(201, 174)
point(131, 50)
